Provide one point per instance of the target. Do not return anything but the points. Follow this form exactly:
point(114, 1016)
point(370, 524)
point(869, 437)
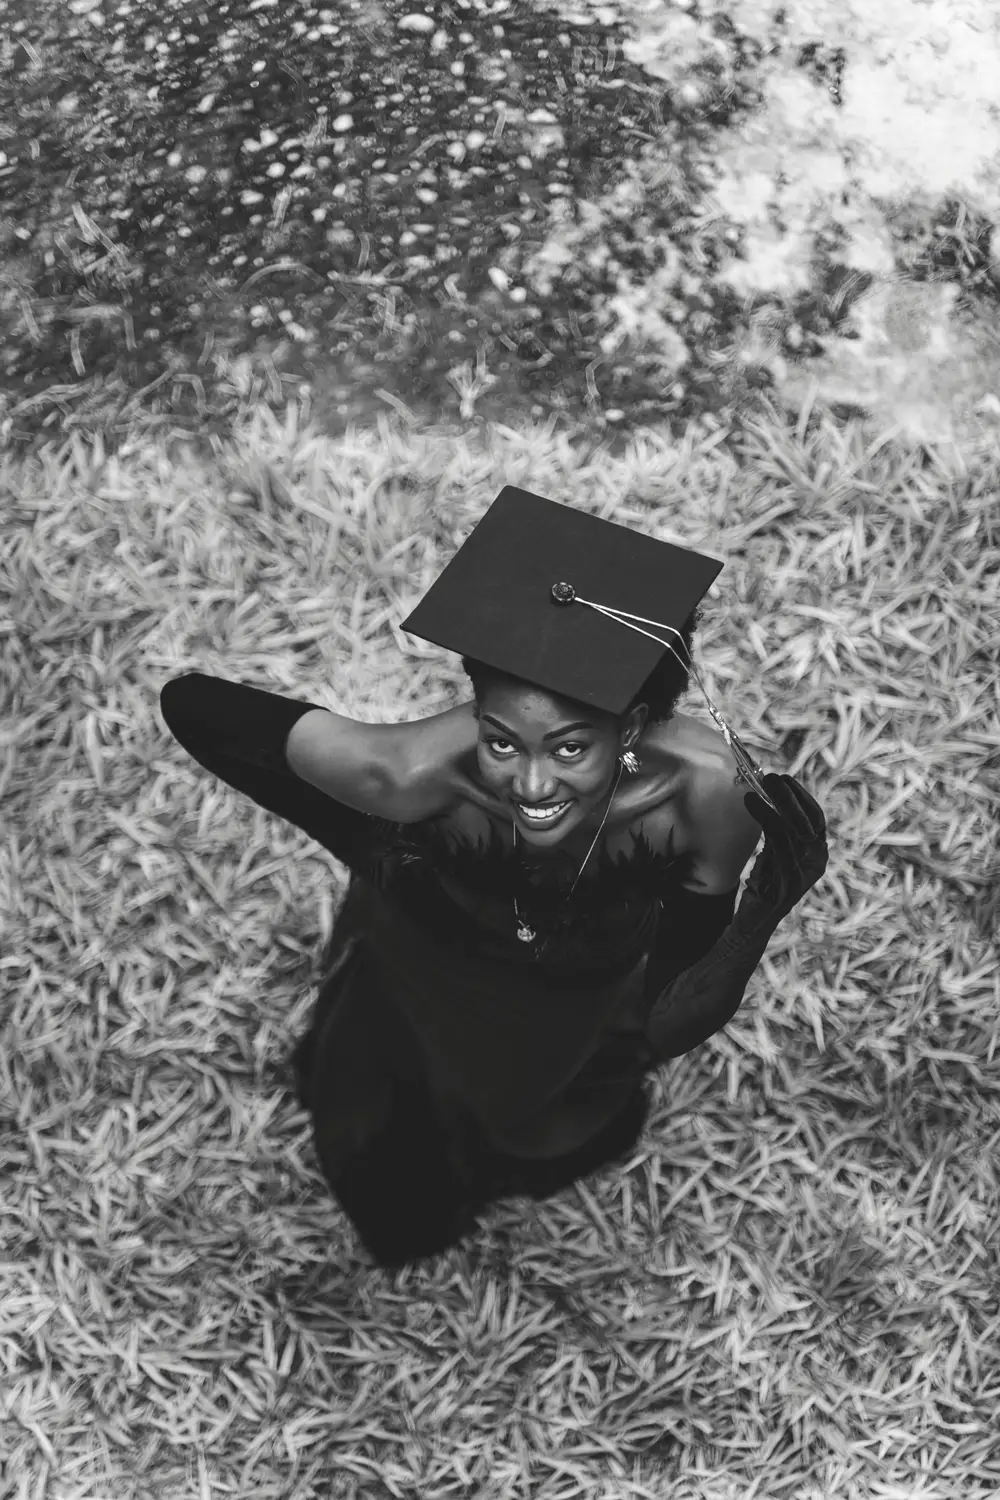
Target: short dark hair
point(662, 689)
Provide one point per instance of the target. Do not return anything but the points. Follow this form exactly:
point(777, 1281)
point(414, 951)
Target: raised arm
point(327, 774)
point(706, 995)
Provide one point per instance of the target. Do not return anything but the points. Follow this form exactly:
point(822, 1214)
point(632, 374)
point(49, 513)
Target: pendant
point(525, 933)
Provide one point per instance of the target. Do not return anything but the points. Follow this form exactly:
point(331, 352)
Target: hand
point(794, 855)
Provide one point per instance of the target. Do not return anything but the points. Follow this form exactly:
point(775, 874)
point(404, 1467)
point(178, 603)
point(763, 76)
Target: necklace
point(632, 762)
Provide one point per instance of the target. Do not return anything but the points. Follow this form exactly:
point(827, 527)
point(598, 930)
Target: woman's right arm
point(328, 775)
point(418, 769)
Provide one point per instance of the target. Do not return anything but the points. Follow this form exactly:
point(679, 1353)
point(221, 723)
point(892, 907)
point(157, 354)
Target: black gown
point(433, 1038)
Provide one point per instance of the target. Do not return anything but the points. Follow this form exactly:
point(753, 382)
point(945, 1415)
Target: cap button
point(563, 593)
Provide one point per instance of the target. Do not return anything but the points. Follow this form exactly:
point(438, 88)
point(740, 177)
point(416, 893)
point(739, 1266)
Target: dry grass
point(792, 1291)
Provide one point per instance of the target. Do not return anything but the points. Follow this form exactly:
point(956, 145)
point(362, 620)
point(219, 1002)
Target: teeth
point(545, 817)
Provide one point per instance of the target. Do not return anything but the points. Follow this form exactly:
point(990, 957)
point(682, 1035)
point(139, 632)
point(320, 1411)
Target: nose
point(534, 788)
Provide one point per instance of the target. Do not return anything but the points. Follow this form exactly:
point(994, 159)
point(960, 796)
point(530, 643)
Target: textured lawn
point(792, 1290)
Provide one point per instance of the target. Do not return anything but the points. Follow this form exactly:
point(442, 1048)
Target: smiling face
point(539, 751)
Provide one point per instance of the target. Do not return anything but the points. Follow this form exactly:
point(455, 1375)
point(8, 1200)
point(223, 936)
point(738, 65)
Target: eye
point(576, 745)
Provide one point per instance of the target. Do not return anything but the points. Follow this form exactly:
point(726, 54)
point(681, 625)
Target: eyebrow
point(556, 734)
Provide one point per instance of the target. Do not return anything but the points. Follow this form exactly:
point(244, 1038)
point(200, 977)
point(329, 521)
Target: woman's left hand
point(794, 855)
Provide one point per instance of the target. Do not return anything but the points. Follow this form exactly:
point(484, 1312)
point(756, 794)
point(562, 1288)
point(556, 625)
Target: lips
point(549, 822)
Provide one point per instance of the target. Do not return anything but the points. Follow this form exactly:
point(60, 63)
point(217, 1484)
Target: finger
point(779, 790)
point(749, 777)
point(770, 817)
point(810, 818)
point(774, 792)
point(787, 828)
point(809, 808)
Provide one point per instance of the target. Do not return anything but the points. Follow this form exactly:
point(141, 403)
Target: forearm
point(240, 734)
point(213, 718)
point(703, 998)
point(695, 1004)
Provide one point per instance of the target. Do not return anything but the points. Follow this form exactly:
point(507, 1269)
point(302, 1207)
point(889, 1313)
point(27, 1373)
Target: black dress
point(433, 1038)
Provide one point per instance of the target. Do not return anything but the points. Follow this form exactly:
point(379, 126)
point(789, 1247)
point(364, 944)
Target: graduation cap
point(568, 602)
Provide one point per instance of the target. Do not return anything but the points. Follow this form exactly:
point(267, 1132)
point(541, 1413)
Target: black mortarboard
point(494, 601)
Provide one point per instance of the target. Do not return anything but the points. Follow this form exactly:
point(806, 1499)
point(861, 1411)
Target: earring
point(631, 762)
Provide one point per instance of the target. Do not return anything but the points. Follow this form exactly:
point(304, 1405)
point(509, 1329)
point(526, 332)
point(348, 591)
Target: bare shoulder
point(721, 833)
point(684, 801)
point(705, 811)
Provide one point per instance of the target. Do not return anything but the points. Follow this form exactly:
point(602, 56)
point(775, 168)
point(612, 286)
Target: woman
point(526, 933)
